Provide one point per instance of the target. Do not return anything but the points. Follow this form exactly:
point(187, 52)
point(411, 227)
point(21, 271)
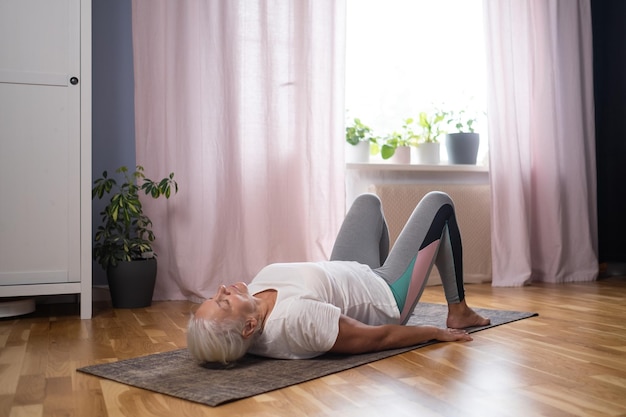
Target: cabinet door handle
point(73, 80)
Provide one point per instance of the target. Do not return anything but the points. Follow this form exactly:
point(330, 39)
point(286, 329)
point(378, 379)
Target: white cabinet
point(45, 148)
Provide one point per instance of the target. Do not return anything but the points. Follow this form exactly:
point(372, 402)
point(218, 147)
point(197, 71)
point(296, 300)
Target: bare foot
point(460, 316)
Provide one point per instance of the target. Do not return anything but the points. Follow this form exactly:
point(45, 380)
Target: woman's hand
point(453, 335)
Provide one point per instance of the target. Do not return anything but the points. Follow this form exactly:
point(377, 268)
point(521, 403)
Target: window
point(406, 56)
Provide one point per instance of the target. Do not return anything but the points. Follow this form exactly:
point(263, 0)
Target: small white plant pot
point(359, 153)
point(402, 155)
point(427, 154)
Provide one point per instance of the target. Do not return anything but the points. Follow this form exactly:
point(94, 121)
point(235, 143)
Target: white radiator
point(473, 206)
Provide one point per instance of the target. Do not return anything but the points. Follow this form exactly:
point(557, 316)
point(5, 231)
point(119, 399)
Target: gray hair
point(217, 341)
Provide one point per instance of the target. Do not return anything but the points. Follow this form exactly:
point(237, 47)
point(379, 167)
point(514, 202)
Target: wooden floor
point(569, 361)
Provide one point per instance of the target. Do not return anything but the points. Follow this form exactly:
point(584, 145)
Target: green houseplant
point(431, 128)
point(462, 144)
point(359, 137)
point(431, 124)
point(404, 138)
point(123, 240)
point(358, 132)
point(462, 121)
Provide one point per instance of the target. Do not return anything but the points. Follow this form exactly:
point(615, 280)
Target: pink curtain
point(542, 143)
point(243, 100)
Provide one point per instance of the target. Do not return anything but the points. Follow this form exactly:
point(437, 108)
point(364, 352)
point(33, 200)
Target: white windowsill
point(373, 166)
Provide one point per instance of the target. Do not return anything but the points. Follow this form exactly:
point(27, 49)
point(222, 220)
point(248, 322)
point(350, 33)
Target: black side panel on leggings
point(444, 216)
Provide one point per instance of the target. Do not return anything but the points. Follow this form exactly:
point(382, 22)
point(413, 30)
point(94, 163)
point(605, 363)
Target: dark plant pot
point(462, 147)
point(132, 283)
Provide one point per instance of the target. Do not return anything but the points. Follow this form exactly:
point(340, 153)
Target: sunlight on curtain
point(407, 56)
point(243, 100)
point(542, 147)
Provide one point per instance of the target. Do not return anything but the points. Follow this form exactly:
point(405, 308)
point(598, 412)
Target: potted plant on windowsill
point(123, 241)
point(462, 145)
point(396, 146)
point(358, 139)
point(428, 146)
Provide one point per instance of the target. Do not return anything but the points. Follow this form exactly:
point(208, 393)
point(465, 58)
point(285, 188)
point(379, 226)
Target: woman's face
point(232, 302)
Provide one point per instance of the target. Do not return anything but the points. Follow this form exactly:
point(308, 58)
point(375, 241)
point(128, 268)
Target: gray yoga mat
point(175, 373)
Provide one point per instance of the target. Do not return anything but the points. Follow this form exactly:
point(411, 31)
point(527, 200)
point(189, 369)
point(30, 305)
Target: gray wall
point(113, 96)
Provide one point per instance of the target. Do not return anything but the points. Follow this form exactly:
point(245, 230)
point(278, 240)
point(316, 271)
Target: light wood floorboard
point(569, 361)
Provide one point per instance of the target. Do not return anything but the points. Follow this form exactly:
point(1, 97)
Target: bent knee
point(438, 198)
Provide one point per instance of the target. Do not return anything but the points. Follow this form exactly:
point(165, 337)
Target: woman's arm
point(356, 337)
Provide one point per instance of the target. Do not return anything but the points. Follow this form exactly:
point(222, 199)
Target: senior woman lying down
point(357, 302)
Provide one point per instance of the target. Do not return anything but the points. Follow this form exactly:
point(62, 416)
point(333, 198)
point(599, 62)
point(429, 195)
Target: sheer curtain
point(542, 143)
point(243, 100)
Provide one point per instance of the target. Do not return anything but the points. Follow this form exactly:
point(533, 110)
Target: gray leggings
point(430, 236)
